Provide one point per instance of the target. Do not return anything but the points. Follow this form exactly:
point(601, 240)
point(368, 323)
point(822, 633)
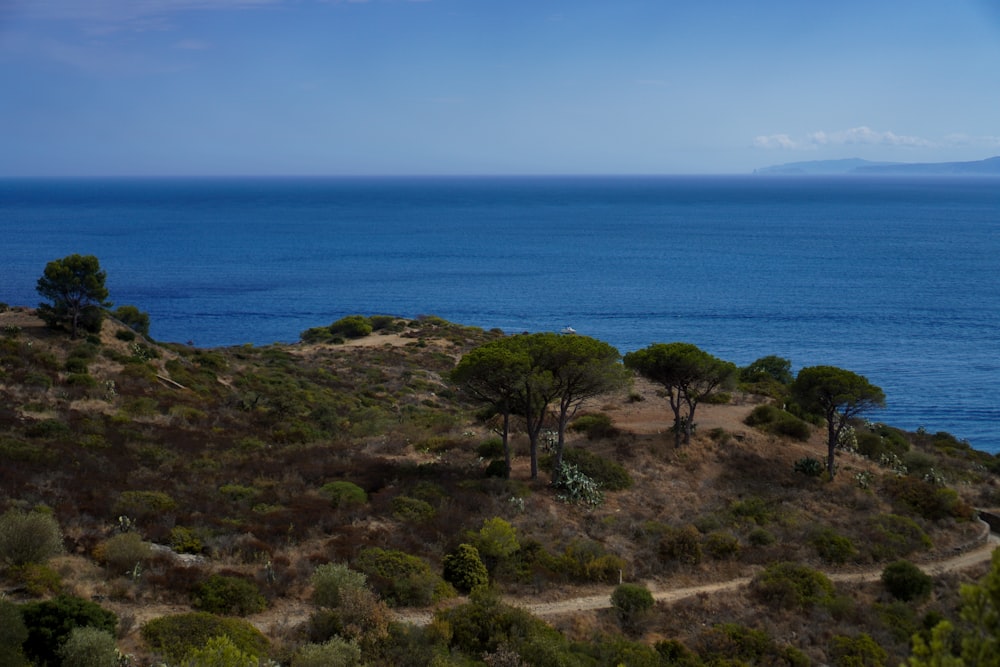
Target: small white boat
point(568, 330)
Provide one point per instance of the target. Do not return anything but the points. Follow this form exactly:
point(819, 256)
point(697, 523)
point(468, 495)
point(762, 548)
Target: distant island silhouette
point(857, 166)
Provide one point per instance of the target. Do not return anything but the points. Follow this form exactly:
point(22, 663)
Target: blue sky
point(288, 87)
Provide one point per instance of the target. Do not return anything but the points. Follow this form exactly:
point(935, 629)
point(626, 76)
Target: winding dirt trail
point(963, 561)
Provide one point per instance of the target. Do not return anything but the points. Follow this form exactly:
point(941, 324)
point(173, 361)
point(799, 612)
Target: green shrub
point(133, 318)
point(413, 510)
point(144, 504)
point(229, 596)
point(860, 651)
point(497, 469)
point(337, 652)
point(490, 448)
point(721, 546)
point(905, 581)
point(833, 548)
point(13, 634)
point(28, 537)
point(344, 494)
point(927, 499)
point(891, 536)
point(681, 545)
point(631, 603)
point(89, 647)
point(50, 623)
point(752, 509)
point(38, 579)
point(734, 644)
point(760, 537)
point(464, 569)
point(810, 467)
point(125, 334)
point(791, 426)
point(496, 542)
point(330, 579)
point(595, 426)
point(185, 540)
point(588, 560)
point(352, 326)
point(76, 365)
point(49, 429)
point(770, 368)
point(176, 636)
point(762, 415)
point(220, 652)
point(400, 578)
point(791, 585)
point(123, 552)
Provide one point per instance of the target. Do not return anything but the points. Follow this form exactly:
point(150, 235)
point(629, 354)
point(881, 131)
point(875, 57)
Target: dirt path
point(962, 561)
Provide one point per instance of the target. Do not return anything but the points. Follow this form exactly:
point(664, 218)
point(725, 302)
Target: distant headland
point(857, 166)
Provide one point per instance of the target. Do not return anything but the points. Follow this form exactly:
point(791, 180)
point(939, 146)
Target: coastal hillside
point(342, 501)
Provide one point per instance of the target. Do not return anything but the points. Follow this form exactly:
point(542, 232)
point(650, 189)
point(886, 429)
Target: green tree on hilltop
point(839, 396)
point(689, 375)
point(75, 286)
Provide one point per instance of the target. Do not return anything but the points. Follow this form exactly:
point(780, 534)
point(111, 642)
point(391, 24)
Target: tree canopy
point(75, 286)
point(838, 395)
point(529, 374)
point(688, 373)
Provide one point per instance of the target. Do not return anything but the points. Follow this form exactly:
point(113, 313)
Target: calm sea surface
point(898, 280)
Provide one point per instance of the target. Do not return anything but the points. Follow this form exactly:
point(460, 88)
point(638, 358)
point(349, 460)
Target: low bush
point(89, 647)
point(344, 494)
point(229, 596)
point(336, 651)
point(352, 326)
point(330, 579)
point(927, 499)
point(681, 546)
point(220, 651)
point(490, 448)
point(413, 510)
point(809, 467)
point(860, 651)
point(464, 569)
point(891, 536)
point(144, 504)
point(791, 585)
point(631, 603)
point(735, 644)
point(176, 636)
point(832, 547)
point(905, 581)
point(721, 546)
point(13, 634)
point(38, 579)
point(595, 426)
point(28, 537)
point(400, 578)
point(50, 623)
point(123, 552)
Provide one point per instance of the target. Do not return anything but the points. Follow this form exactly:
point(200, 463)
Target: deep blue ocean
point(896, 279)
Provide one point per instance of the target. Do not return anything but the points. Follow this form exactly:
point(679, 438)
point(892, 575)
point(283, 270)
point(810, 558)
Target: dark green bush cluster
point(464, 569)
point(833, 547)
point(229, 596)
point(905, 581)
point(775, 420)
point(400, 578)
point(721, 546)
point(413, 510)
point(879, 440)
point(791, 585)
point(810, 467)
point(351, 326)
point(927, 499)
point(176, 636)
point(595, 426)
point(631, 603)
point(680, 545)
point(857, 651)
point(141, 504)
point(732, 644)
point(50, 622)
point(491, 448)
point(344, 494)
point(890, 536)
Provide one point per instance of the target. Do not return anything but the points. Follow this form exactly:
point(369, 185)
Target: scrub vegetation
point(332, 502)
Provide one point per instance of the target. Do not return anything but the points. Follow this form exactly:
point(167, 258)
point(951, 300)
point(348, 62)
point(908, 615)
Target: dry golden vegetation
point(218, 480)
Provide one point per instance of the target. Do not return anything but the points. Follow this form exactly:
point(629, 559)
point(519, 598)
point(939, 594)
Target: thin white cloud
point(862, 135)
